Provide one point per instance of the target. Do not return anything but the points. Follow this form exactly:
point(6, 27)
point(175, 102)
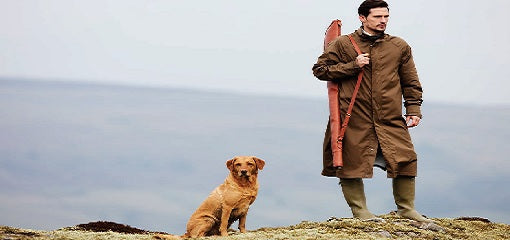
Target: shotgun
point(336, 127)
point(332, 32)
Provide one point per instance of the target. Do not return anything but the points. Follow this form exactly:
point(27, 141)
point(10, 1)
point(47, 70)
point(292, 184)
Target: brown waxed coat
point(376, 119)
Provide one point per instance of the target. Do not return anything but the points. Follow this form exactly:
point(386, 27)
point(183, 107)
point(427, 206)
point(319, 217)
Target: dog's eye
point(238, 164)
point(251, 164)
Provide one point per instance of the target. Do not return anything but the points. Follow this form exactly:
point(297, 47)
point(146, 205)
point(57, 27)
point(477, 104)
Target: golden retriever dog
point(228, 202)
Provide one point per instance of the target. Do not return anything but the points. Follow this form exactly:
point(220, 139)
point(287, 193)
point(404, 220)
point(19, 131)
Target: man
point(377, 134)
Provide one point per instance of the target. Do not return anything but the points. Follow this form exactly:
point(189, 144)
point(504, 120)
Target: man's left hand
point(412, 121)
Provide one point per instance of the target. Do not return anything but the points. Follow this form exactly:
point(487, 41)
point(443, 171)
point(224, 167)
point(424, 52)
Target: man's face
point(376, 20)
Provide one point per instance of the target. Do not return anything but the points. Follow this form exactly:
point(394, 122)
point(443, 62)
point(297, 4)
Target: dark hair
point(364, 8)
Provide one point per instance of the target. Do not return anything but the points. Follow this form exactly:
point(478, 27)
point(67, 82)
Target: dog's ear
point(230, 164)
point(260, 163)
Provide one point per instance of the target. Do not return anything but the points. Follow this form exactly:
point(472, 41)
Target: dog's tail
point(166, 237)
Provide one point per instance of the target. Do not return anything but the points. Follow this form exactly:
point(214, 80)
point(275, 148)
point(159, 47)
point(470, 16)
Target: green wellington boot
point(403, 192)
point(354, 194)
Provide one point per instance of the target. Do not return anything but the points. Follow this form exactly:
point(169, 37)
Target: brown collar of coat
point(367, 38)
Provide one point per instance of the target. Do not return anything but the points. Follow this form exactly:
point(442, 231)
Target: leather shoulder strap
point(354, 44)
point(353, 99)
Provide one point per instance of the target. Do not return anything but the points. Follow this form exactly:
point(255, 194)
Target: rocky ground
point(391, 227)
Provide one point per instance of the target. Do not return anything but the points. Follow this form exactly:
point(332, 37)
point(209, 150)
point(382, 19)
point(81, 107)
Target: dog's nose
point(244, 172)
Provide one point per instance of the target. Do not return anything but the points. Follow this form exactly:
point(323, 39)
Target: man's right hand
point(362, 59)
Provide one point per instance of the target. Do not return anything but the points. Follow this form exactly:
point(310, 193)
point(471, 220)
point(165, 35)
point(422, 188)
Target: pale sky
point(460, 47)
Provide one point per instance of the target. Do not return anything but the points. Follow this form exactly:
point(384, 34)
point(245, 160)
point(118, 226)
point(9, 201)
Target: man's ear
point(362, 18)
point(260, 163)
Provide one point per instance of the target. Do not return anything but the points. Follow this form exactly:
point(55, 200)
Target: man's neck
point(371, 34)
point(367, 33)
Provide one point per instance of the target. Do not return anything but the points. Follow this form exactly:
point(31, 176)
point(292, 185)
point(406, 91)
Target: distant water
point(72, 153)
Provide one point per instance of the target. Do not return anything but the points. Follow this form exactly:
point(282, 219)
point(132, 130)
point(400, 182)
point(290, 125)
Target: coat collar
point(367, 38)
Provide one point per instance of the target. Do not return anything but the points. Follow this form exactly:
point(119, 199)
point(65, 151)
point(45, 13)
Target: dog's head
point(245, 166)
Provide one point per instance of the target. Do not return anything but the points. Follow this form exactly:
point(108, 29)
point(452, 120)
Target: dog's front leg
point(225, 215)
point(242, 223)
